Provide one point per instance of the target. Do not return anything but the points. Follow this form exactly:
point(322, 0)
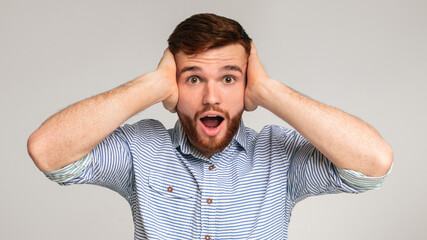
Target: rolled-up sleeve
point(68, 173)
point(109, 165)
point(311, 173)
point(360, 181)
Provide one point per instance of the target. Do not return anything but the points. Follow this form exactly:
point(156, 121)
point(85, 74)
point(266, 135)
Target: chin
point(210, 130)
point(213, 144)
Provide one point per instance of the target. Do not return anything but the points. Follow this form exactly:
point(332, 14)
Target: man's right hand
point(167, 75)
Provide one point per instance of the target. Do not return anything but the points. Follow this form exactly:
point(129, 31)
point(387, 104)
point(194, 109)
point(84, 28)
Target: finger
point(255, 68)
point(166, 59)
point(253, 49)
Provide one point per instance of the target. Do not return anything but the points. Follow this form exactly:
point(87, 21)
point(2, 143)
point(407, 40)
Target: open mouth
point(211, 121)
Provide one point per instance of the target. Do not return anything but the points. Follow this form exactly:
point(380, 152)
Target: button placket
point(208, 201)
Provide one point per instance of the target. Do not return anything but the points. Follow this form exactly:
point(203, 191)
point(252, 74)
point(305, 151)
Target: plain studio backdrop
point(368, 58)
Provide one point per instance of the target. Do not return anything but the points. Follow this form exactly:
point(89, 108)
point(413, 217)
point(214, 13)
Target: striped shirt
point(247, 191)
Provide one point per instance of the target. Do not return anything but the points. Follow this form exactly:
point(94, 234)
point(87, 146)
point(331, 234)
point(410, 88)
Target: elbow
point(383, 161)
point(37, 151)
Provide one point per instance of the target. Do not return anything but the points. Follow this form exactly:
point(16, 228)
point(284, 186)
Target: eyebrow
point(233, 68)
point(190, 69)
point(196, 68)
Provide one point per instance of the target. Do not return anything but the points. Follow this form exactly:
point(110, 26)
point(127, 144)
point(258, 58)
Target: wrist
point(264, 91)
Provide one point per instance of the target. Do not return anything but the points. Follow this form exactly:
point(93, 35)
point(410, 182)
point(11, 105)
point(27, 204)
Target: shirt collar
point(179, 139)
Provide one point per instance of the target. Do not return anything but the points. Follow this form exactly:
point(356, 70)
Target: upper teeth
point(211, 115)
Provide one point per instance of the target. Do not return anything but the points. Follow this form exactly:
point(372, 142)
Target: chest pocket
point(173, 183)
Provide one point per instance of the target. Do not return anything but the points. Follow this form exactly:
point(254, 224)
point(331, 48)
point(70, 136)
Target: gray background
point(368, 58)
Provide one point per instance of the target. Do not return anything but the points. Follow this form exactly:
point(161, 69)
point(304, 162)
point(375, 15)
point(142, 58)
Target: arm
point(73, 132)
point(344, 139)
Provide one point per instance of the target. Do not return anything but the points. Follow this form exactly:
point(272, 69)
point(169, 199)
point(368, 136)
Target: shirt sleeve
point(109, 165)
point(70, 172)
point(310, 173)
point(359, 180)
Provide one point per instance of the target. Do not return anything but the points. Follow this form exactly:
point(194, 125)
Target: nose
point(211, 95)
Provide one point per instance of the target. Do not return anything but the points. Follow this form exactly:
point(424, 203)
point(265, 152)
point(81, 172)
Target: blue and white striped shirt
point(247, 191)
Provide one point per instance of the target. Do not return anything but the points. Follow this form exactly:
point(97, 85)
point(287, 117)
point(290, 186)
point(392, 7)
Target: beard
point(209, 145)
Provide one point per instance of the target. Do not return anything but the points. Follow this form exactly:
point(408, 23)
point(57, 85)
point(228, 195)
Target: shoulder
point(144, 128)
point(274, 135)
point(278, 132)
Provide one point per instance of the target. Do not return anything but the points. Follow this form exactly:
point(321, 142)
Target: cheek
point(182, 102)
point(185, 100)
point(237, 101)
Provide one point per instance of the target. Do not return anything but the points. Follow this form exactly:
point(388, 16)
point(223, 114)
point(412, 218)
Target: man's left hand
point(257, 79)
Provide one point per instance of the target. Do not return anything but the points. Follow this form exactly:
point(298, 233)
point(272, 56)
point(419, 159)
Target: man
point(210, 177)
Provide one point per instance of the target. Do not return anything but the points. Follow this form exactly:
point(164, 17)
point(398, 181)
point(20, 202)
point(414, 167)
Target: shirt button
point(211, 167)
point(170, 189)
point(207, 237)
point(209, 200)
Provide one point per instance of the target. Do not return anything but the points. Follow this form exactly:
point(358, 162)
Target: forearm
point(344, 139)
point(73, 132)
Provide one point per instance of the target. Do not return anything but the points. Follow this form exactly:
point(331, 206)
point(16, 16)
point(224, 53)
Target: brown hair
point(205, 31)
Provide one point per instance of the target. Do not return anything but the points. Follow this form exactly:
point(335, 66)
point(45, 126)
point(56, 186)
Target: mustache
point(211, 108)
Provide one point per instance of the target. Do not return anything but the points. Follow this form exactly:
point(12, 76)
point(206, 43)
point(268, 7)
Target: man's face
point(211, 87)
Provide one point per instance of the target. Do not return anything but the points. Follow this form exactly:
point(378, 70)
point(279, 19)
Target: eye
point(193, 80)
point(228, 79)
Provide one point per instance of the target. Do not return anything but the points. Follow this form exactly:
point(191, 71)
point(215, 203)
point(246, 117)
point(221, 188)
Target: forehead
point(233, 54)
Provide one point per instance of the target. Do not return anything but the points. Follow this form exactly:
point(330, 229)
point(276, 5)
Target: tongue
point(211, 122)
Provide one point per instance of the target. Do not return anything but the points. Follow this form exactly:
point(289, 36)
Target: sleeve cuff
point(70, 171)
point(360, 181)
